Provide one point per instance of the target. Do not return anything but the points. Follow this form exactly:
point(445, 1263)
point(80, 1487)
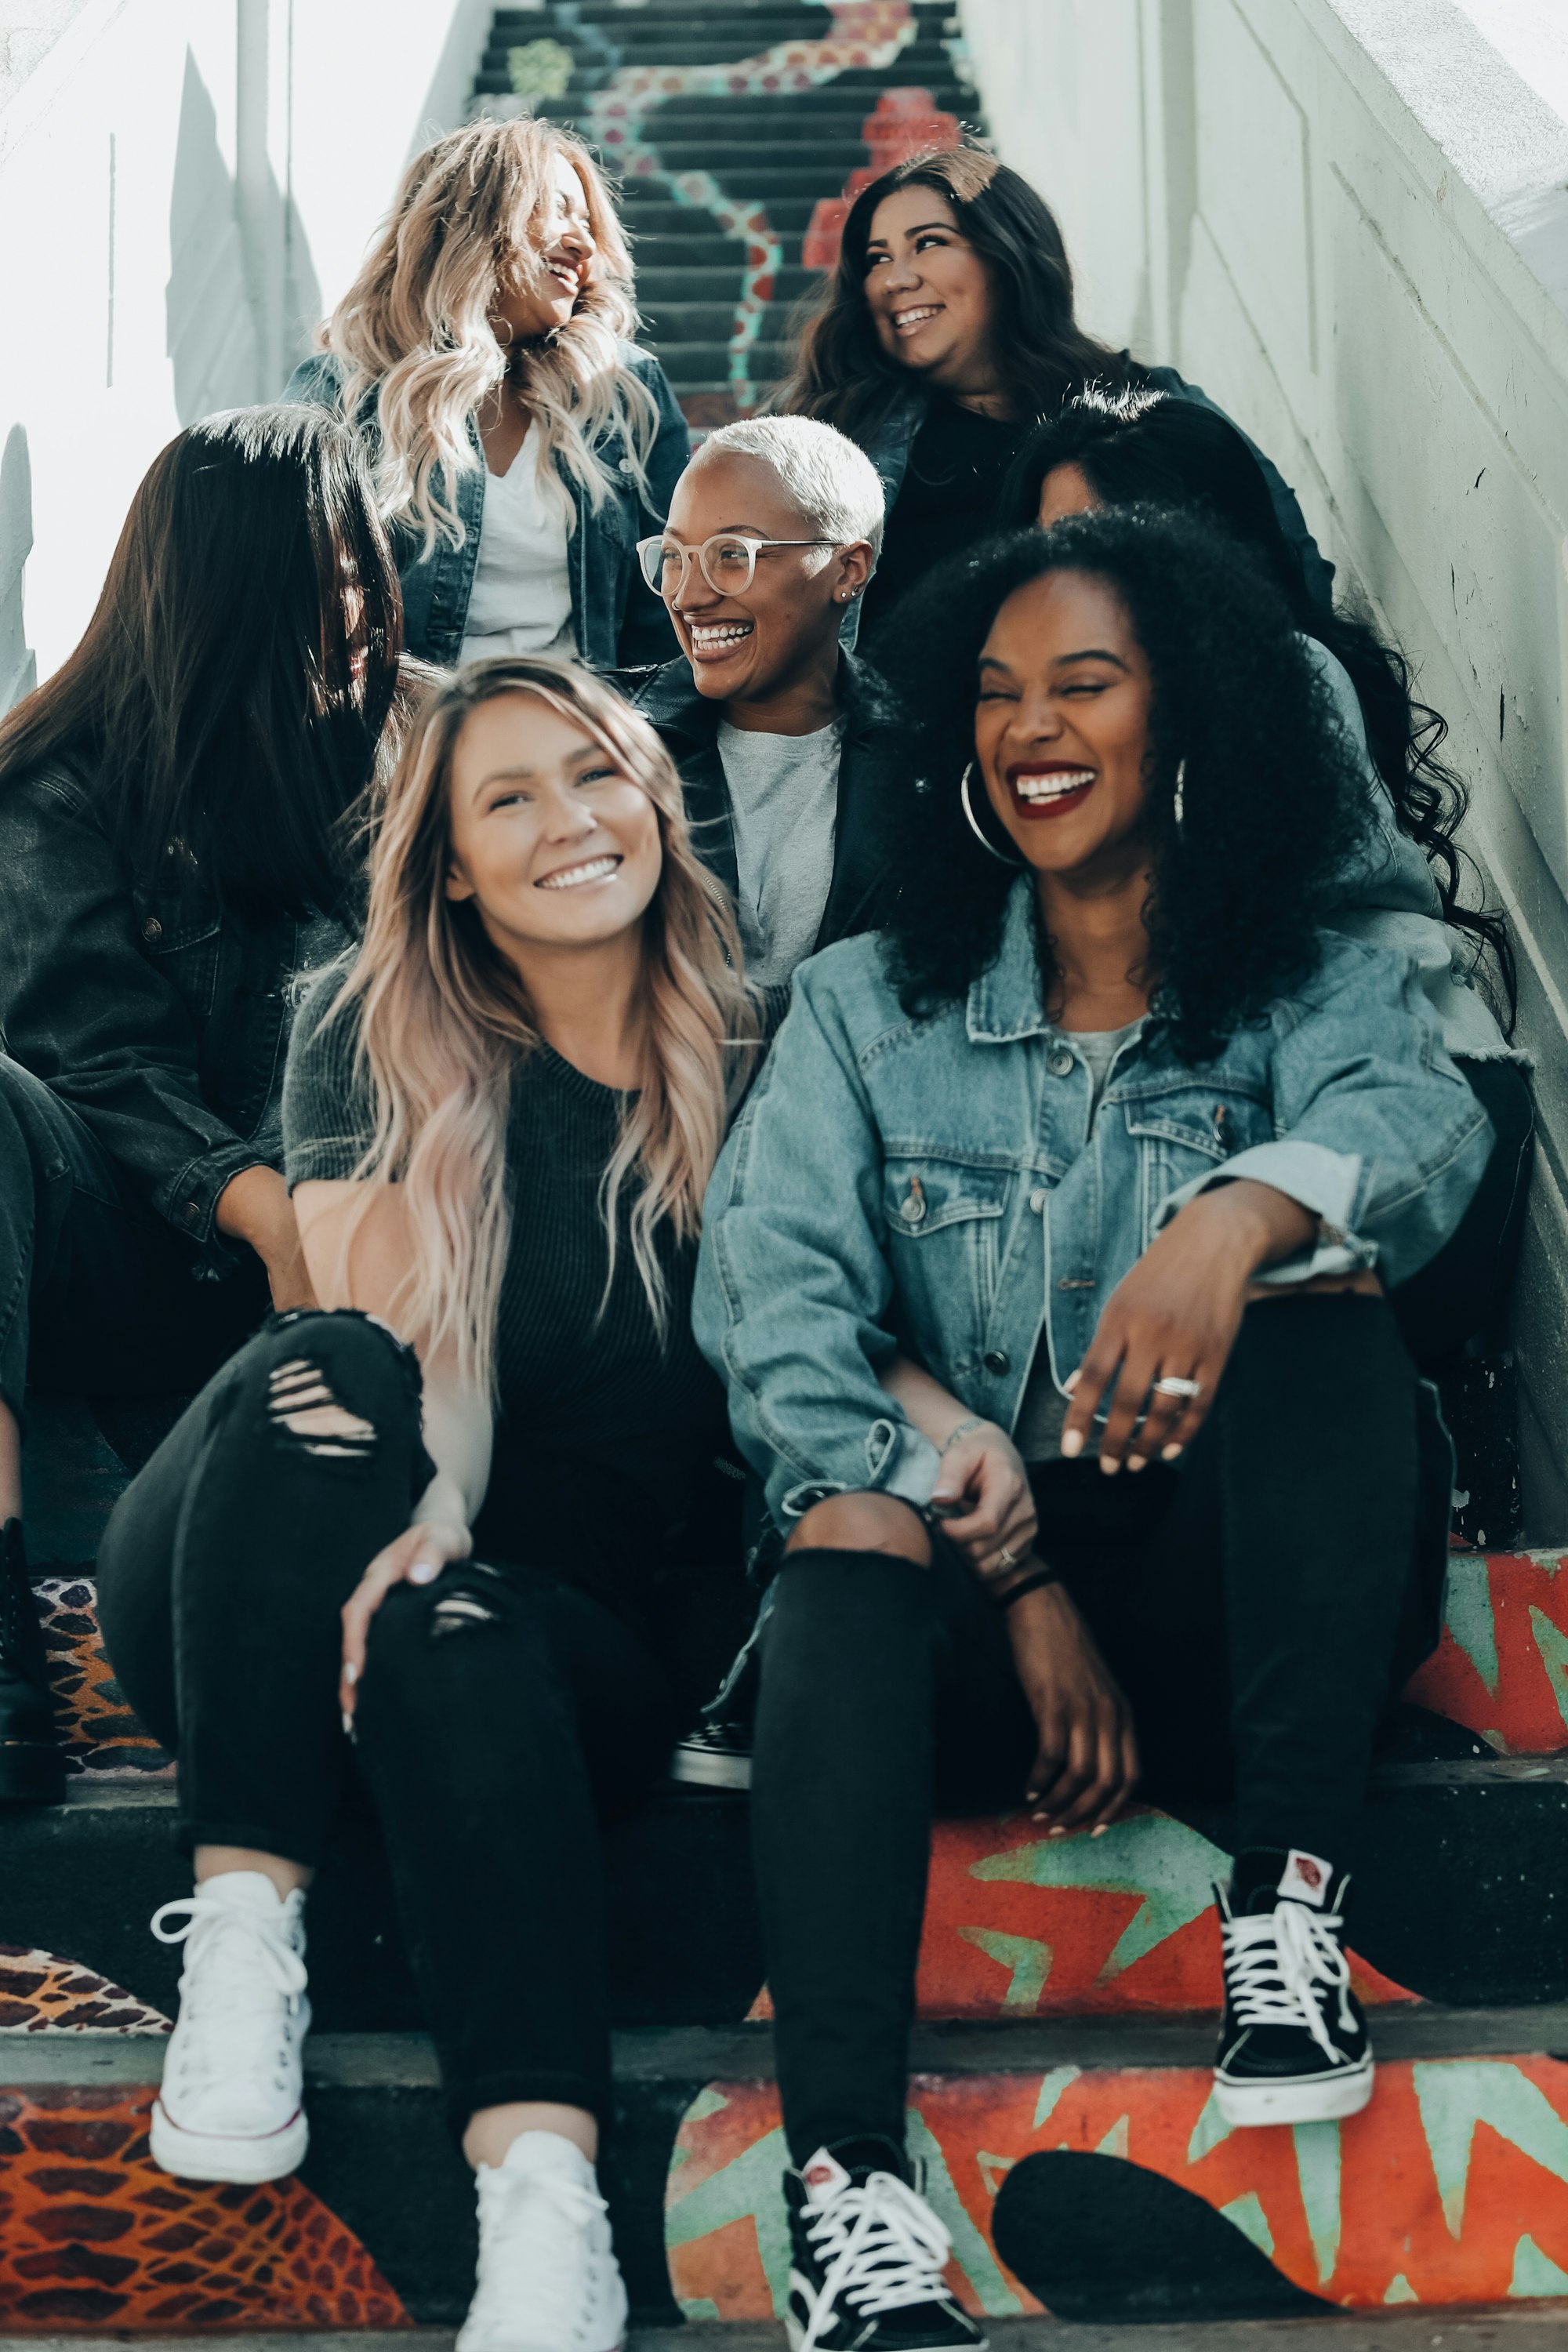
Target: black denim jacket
point(162, 1021)
point(687, 723)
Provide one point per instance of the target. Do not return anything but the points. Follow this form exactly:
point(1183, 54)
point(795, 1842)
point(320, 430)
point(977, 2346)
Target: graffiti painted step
point(921, 62)
point(658, 286)
point(1043, 2147)
point(1461, 1896)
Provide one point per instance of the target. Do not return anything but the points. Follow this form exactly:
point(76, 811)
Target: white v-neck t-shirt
point(521, 602)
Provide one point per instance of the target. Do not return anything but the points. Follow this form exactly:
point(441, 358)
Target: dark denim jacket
point(688, 724)
point(160, 1020)
point(887, 445)
point(614, 619)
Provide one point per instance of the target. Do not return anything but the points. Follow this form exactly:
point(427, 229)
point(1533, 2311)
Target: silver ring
point(1006, 1559)
point(1174, 1385)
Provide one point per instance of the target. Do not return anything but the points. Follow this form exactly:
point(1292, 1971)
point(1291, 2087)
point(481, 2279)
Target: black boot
point(32, 1770)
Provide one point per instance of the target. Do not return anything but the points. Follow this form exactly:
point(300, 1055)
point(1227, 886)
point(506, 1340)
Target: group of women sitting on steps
point(680, 1158)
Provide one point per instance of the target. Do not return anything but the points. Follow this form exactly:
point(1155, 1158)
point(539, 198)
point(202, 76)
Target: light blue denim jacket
point(938, 1184)
point(615, 621)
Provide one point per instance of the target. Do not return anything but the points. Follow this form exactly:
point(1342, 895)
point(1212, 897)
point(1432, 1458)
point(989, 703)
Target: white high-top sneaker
point(548, 2279)
point(231, 2107)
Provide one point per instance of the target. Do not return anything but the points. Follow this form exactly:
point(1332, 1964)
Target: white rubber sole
point(1307, 2099)
point(795, 2331)
point(219, 2155)
point(700, 1770)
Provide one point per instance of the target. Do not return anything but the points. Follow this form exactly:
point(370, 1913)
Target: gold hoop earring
point(1000, 855)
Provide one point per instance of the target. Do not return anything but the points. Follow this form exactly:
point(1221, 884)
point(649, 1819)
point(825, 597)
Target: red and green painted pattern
point(1501, 1667)
point(1451, 2188)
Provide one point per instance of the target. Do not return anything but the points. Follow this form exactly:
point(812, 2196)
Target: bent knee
point(863, 1522)
point(464, 1606)
point(333, 1382)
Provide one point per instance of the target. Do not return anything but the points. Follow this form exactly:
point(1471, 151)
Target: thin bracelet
point(1041, 1576)
point(975, 1420)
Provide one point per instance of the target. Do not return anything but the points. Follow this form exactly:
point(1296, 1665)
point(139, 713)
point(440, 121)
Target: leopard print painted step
point(102, 1738)
point(41, 1993)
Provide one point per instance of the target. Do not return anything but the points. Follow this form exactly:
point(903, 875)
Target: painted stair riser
point(1451, 2188)
point(1462, 1897)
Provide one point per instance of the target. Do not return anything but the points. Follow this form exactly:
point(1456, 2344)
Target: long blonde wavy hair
point(414, 328)
point(444, 1021)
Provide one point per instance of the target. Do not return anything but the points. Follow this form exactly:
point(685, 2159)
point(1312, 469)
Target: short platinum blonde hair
point(831, 480)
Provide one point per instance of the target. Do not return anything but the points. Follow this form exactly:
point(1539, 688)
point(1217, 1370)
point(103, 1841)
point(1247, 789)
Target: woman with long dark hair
point(1402, 890)
point(472, 1508)
point(522, 443)
point(1124, 1145)
point(942, 336)
point(175, 811)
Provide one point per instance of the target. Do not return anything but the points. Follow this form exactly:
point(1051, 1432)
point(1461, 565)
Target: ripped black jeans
point(502, 1715)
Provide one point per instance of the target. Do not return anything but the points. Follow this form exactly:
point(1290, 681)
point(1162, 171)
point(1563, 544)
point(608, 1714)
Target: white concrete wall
point(185, 186)
point(1348, 220)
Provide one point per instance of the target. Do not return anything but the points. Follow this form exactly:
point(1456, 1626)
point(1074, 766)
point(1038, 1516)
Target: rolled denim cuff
point(897, 1461)
point(1324, 1182)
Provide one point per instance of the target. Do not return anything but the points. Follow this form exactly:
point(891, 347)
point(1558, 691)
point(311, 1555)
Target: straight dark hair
point(842, 373)
point(227, 698)
point(1147, 448)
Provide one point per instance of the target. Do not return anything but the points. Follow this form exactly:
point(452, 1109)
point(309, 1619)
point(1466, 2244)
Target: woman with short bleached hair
point(474, 1509)
point(522, 442)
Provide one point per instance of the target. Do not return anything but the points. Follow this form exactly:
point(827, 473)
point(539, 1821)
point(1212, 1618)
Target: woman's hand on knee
point(416, 1557)
point(983, 1494)
point(1086, 1767)
point(1173, 1319)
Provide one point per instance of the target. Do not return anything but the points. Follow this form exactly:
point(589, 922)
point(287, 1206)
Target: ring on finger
point(1171, 1384)
point(1006, 1560)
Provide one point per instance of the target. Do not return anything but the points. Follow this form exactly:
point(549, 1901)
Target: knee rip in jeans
point(300, 1401)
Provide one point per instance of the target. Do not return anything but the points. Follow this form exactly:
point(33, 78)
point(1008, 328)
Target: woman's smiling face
point(1061, 723)
point(928, 290)
point(547, 278)
point(556, 844)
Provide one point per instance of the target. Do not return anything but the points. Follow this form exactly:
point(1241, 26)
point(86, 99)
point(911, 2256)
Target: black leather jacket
point(160, 1020)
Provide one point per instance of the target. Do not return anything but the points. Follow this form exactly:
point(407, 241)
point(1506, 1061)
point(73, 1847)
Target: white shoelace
point(1274, 1961)
point(884, 2248)
point(223, 2001)
point(534, 2254)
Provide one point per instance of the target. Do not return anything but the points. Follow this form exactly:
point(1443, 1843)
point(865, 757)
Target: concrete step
point(1079, 2169)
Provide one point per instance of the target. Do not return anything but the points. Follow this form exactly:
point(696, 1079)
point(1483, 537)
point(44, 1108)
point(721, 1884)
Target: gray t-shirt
point(784, 795)
point(1037, 1434)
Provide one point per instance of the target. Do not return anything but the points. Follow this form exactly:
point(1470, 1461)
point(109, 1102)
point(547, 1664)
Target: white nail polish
point(422, 1572)
point(351, 1672)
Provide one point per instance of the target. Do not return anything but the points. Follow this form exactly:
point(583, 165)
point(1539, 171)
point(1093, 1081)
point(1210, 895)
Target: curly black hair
point(1137, 447)
point(1275, 802)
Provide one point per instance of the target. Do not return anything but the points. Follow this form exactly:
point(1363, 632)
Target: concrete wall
point(1348, 220)
point(185, 186)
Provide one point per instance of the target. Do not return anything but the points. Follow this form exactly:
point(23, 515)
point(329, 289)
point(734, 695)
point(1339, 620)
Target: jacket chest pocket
point(944, 1223)
point(1187, 1131)
point(183, 948)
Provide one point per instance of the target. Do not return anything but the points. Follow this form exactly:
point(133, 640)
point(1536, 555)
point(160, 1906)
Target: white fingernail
point(351, 1672)
point(1072, 1444)
point(1071, 1382)
point(1171, 1453)
point(422, 1572)
point(348, 1724)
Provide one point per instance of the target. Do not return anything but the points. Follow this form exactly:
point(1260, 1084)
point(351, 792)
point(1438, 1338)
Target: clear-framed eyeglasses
point(728, 562)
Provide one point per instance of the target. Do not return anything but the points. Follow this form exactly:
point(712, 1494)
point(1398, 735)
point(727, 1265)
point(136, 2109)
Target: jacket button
point(627, 467)
point(997, 1362)
point(1038, 1201)
point(1061, 1064)
point(152, 930)
point(192, 1212)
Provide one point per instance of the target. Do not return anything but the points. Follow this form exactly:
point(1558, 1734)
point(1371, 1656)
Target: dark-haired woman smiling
point(1083, 1126)
point(945, 332)
point(1401, 887)
point(172, 857)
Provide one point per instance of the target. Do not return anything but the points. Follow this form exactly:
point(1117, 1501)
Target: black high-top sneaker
point(867, 2255)
point(714, 1755)
point(32, 1770)
point(1293, 2045)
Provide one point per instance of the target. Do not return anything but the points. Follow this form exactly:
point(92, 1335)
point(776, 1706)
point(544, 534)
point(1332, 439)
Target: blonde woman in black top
point(499, 1126)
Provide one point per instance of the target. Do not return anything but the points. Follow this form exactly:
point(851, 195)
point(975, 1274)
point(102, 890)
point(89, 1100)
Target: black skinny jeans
point(491, 1746)
point(1257, 1605)
point(99, 1294)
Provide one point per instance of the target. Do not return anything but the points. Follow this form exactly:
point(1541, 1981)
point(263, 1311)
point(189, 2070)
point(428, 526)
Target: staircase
point(734, 129)
point(1061, 2094)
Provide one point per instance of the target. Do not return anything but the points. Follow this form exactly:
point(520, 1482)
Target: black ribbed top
point(604, 1425)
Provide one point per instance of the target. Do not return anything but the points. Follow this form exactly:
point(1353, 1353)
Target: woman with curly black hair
point(1123, 1146)
point(1402, 888)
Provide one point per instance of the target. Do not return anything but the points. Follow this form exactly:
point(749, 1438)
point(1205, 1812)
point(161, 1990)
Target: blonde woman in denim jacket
point(1124, 1148)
